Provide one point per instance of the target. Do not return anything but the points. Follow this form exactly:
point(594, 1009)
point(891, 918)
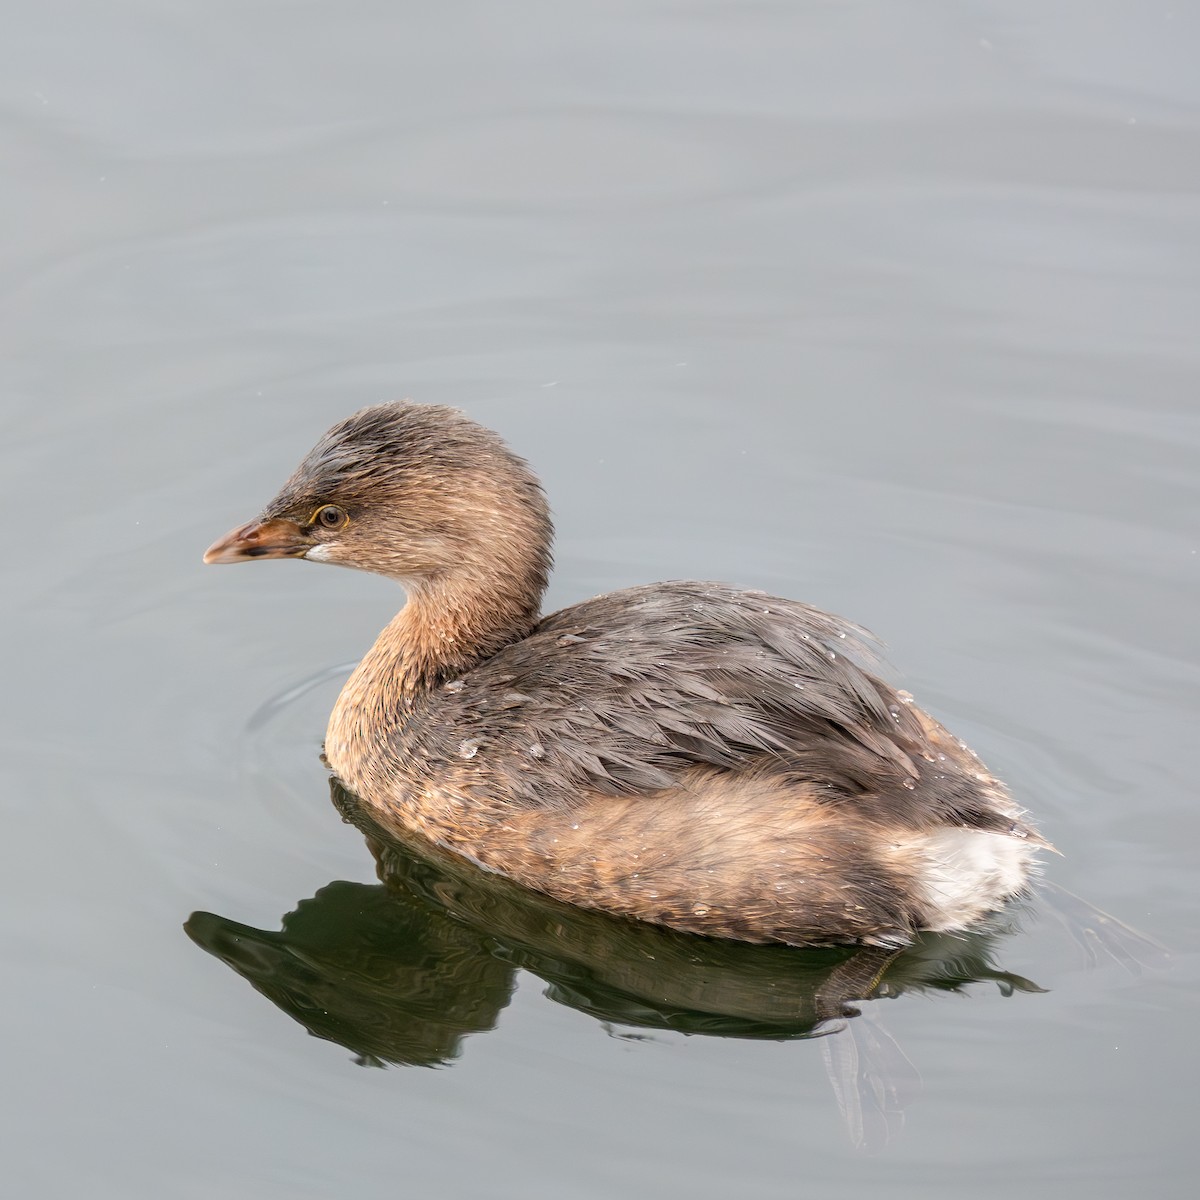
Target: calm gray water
point(890, 306)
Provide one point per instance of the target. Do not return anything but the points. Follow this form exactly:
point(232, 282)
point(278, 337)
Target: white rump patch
point(969, 872)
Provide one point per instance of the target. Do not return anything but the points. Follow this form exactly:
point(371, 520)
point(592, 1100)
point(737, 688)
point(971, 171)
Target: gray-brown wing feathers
point(623, 693)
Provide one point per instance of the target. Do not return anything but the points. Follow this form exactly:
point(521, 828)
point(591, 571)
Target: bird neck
point(444, 630)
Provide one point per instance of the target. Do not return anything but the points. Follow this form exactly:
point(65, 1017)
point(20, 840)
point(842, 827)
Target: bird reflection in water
point(401, 972)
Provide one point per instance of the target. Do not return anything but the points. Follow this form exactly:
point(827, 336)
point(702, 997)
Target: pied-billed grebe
point(690, 754)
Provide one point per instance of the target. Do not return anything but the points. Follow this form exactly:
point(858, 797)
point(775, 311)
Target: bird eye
point(330, 516)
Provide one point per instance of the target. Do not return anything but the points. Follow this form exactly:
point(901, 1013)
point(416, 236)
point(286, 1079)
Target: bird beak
point(276, 538)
